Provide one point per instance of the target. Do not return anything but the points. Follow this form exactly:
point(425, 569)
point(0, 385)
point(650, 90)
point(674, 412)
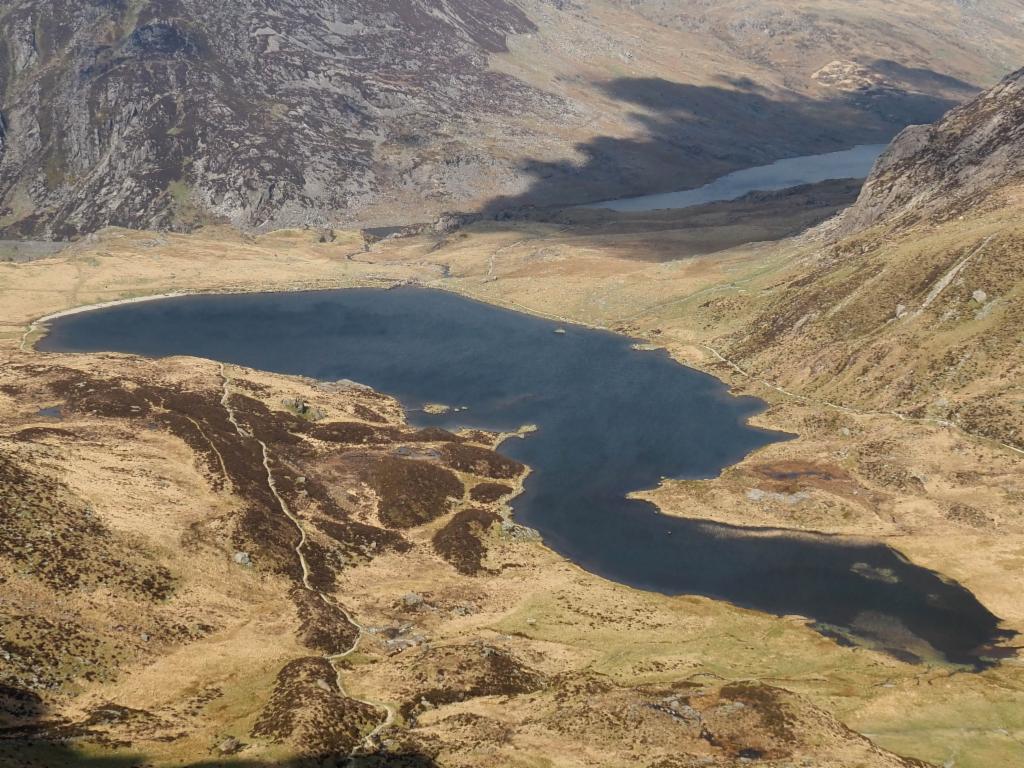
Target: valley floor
point(525, 654)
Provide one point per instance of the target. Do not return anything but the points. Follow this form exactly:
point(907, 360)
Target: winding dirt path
point(29, 330)
point(369, 741)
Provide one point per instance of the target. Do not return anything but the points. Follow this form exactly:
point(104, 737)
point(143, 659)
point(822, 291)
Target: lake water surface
point(853, 163)
point(611, 419)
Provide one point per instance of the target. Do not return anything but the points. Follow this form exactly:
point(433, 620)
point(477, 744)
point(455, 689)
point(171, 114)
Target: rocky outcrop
point(973, 150)
point(169, 113)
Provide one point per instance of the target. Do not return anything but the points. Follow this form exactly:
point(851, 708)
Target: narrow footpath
point(371, 738)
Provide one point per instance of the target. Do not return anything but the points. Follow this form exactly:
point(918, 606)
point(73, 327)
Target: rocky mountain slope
point(172, 113)
point(165, 112)
point(915, 300)
point(950, 165)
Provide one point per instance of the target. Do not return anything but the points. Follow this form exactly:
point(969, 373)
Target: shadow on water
point(692, 134)
point(611, 420)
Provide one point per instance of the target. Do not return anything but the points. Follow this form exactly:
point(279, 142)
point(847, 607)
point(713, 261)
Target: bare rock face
point(165, 113)
point(973, 150)
point(850, 76)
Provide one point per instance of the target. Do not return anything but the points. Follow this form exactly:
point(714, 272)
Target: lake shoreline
point(688, 426)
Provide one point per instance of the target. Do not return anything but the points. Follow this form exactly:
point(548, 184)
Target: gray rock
point(398, 644)
point(518, 532)
point(243, 559)
point(412, 600)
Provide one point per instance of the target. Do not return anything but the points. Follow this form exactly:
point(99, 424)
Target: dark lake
point(611, 419)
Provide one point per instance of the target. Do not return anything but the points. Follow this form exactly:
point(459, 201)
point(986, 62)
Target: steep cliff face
point(971, 151)
point(157, 112)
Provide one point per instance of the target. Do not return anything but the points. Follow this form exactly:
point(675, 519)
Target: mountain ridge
point(171, 114)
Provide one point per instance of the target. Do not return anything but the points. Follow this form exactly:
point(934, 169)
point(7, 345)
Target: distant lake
point(853, 163)
point(611, 419)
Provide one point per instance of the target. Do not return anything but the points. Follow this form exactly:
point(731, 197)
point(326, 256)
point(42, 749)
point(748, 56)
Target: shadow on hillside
point(29, 738)
point(43, 754)
point(923, 80)
point(690, 134)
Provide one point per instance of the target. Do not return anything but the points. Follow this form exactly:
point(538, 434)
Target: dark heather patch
point(323, 626)
point(411, 756)
point(251, 386)
point(432, 435)
point(323, 564)
point(52, 535)
point(33, 434)
point(457, 673)
point(965, 514)
point(277, 427)
point(309, 712)
point(481, 461)
point(367, 414)
point(102, 397)
point(412, 492)
point(347, 538)
point(270, 538)
point(460, 542)
point(358, 433)
point(19, 704)
point(768, 704)
point(355, 433)
point(359, 539)
point(488, 493)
